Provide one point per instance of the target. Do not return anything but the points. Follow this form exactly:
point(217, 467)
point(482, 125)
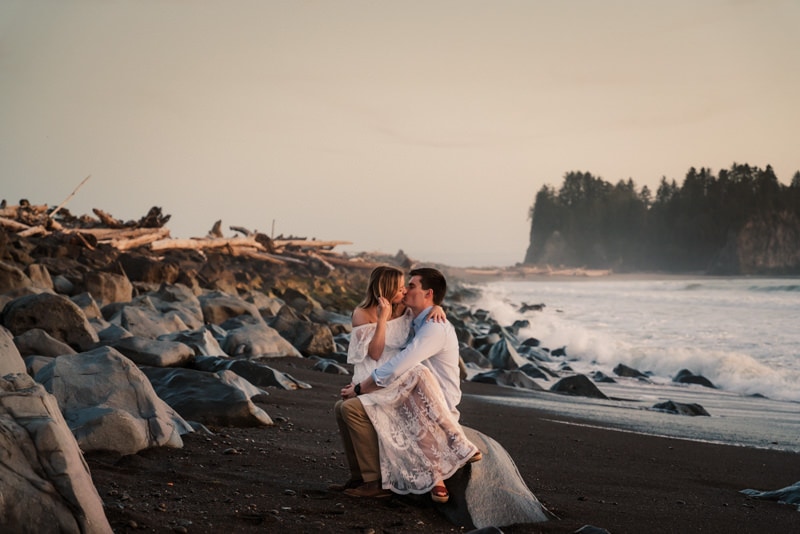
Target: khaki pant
point(359, 438)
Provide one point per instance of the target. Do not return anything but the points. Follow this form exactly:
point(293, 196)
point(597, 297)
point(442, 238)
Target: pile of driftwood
point(27, 220)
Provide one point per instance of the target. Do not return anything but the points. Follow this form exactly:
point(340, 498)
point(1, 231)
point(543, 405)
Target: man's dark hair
point(431, 278)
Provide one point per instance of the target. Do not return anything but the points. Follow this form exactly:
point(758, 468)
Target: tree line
point(696, 226)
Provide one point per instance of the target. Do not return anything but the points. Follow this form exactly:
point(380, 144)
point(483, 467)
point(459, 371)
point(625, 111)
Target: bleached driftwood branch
point(107, 219)
point(197, 244)
point(358, 264)
point(112, 233)
point(12, 212)
point(307, 243)
point(320, 259)
point(13, 225)
point(53, 213)
point(266, 256)
point(33, 230)
point(143, 239)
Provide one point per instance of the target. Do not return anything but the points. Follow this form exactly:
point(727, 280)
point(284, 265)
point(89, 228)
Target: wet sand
point(275, 478)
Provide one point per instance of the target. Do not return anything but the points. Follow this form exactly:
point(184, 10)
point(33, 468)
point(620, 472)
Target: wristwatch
point(357, 389)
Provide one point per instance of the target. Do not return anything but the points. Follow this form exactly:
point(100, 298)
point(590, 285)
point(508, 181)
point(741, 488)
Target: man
point(434, 345)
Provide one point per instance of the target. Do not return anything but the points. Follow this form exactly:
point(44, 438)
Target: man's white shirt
point(434, 345)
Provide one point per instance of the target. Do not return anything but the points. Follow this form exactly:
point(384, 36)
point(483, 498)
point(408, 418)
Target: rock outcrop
point(44, 481)
point(109, 404)
point(491, 492)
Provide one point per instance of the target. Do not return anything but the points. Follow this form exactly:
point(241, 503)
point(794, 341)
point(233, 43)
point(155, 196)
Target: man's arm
point(428, 341)
point(366, 386)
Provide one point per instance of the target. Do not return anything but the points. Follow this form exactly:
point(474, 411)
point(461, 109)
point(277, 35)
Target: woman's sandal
point(440, 494)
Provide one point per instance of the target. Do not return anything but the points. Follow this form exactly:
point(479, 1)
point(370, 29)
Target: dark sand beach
point(275, 479)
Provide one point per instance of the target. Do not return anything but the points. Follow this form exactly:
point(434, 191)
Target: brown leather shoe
point(369, 489)
point(352, 483)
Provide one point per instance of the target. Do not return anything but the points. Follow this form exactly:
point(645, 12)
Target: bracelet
point(357, 389)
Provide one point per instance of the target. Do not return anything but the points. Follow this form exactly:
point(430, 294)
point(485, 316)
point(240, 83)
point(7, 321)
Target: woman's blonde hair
point(383, 282)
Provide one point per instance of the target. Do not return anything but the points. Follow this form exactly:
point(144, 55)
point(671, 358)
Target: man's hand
point(348, 391)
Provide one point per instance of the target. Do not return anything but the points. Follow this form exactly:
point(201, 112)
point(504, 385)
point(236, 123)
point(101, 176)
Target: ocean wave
point(645, 334)
point(781, 288)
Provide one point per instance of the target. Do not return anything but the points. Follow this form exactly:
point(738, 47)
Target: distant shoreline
point(523, 274)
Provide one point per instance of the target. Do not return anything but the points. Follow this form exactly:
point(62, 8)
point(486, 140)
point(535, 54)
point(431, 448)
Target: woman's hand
point(437, 314)
point(384, 309)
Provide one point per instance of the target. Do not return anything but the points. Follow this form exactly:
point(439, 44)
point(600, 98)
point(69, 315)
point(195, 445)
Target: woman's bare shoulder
point(363, 316)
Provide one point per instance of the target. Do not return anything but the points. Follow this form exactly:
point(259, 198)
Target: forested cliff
point(741, 221)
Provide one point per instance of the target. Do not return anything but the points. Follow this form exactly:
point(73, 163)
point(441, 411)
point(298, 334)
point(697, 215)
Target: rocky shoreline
point(198, 386)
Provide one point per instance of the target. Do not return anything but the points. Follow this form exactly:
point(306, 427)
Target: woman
point(381, 313)
point(420, 441)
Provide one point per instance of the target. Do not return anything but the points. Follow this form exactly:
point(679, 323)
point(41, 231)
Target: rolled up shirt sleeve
point(429, 340)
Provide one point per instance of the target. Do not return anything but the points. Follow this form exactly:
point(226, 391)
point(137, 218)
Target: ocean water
point(743, 334)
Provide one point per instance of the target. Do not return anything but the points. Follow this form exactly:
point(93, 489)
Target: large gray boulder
point(491, 492)
point(109, 403)
point(300, 300)
point(579, 386)
point(39, 275)
point(55, 314)
point(37, 341)
point(45, 483)
point(473, 358)
point(108, 287)
point(257, 341)
point(680, 408)
point(503, 355)
point(109, 333)
point(35, 363)
point(12, 277)
point(503, 377)
point(337, 323)
point(144, 321)
point(218, 307)
point(10, 358)
point(222, 398)
point(311, 339)
point(155, 352)
point(685, 376)
point(88, 304)
point(178, 300)
point(629, 372)
point(202, 341)
point(257, 373)
point(267, 306)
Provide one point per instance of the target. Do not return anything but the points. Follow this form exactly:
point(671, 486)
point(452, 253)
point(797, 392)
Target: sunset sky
point(426, 126)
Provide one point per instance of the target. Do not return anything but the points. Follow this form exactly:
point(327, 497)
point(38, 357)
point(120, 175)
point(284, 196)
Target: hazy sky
point(426, 126)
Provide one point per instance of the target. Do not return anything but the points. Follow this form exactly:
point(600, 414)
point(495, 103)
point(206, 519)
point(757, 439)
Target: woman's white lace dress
point(396, 335)
point(419, 438)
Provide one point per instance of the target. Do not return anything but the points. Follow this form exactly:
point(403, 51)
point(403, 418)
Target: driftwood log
point(205, 243)
point(356, 263)
point(14, 225)
point(307, 244)
point(27, 220)
point(127, 243)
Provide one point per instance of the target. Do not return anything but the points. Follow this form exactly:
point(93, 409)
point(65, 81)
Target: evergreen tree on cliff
point(743, 221)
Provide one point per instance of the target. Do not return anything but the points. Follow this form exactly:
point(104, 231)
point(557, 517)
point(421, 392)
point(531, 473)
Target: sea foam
point(736, 333)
